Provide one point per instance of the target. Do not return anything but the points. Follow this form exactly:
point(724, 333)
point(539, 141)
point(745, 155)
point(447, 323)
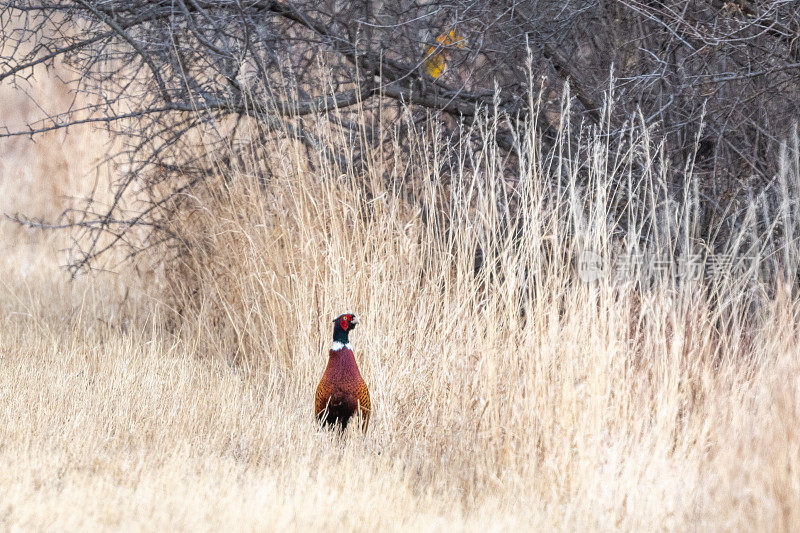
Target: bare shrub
point(715, 81)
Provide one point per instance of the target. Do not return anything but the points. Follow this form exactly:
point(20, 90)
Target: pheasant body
point(342, 391)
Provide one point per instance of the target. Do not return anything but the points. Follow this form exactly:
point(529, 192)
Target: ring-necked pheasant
point(342, 390)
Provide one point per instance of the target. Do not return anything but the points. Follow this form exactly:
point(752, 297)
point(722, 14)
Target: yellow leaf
point(436, 62)
point(451, 38)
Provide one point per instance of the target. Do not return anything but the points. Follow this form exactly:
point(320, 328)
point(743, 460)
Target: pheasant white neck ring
point(336, 346)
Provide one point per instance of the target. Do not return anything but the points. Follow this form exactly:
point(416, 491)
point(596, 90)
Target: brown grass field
point(520, 398)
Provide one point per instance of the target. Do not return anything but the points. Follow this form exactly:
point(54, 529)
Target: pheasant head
point(342, 326)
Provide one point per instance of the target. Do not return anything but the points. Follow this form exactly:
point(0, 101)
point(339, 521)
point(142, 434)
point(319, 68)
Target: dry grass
point(520, 397)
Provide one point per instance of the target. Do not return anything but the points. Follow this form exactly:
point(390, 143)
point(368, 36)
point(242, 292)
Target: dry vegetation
point(511, 395)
